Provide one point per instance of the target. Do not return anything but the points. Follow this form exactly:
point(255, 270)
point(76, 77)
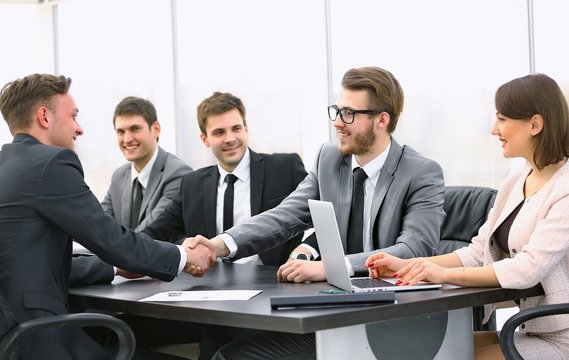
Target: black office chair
point(11, 331)
point(507, 332)
point(466, 209)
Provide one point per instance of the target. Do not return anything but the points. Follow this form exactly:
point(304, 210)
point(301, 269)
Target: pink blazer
point(538, 244)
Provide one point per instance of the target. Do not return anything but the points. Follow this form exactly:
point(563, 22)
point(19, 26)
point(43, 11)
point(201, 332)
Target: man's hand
point(301, 271)
point(216, 244)
point(200, 255)
point(128, 274)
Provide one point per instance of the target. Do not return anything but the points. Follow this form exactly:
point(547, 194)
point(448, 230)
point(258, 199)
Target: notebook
point(332, 254)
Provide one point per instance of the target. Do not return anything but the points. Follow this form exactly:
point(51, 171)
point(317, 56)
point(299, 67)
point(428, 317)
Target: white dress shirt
point(242, 200)
point(372, 170)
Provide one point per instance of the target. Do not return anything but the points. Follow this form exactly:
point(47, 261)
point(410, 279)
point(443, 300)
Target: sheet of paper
point(213, 295)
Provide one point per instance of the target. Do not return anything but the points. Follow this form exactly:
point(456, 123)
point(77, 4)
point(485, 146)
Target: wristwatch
point(298, 256)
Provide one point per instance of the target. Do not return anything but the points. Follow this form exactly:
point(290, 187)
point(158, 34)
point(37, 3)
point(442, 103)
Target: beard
point(362, 142)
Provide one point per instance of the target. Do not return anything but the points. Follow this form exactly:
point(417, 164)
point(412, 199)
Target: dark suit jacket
point(163, 186)
point(273, 178)
point(44, 203)
point(407, 206)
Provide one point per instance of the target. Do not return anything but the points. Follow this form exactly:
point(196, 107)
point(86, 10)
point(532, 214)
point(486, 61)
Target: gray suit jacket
point(407, 208)
point(163, 187)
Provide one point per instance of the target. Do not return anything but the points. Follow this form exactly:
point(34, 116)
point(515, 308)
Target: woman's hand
point(421, 269)
point(384, 265)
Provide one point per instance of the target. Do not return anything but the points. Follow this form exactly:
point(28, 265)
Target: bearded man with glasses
point(386, 196)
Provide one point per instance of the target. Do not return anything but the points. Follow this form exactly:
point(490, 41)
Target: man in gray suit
point(160, 173)
point(157, 173)
point(397, 206)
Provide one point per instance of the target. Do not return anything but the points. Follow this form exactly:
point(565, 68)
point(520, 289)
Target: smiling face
point(227, 137)
point(136, 139)
point(517, 136)
point(359, 138)
point(63, 127)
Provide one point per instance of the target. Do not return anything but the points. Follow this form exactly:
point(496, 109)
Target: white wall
point(449, 57)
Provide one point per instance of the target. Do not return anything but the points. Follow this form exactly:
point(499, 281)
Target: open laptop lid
point(332, 251)
point(330, 244)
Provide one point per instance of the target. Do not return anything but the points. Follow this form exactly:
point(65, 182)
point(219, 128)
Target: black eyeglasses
point(347, 115)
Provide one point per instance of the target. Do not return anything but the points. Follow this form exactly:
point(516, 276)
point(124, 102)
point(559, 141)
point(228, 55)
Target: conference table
point(426, 324)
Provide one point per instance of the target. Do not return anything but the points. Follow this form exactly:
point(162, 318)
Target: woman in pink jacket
point(525, 240)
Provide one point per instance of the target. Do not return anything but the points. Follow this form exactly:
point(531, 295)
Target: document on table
point(213, 295)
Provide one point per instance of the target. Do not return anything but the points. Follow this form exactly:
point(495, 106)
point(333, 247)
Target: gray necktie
point(136, 202)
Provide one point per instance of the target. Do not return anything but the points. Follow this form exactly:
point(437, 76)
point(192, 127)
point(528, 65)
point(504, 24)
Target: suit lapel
point(385, 179)
point(153, 181)
point(210, 181)
point(257, 170)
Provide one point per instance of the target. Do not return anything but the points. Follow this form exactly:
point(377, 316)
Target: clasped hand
point(200, 255)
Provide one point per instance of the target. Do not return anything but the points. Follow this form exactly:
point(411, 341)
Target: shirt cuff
point(231, 245)
point(315, 254)
point(183, 259)
point(114, 270)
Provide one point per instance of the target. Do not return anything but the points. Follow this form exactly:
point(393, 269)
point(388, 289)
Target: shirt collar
point(242, 171)
point(373, 167)
point(144, 175)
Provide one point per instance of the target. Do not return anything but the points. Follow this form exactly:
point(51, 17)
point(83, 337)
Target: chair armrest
point(127, 342)
point(507, 333)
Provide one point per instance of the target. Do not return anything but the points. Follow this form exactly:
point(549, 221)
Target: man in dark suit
point(44, 203)
point(385, 196)
point(263, 181)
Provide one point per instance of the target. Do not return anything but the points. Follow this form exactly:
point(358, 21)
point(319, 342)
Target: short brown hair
point(527, 96)
point(20, 98)
point(133, 105)
point(217, 104)
point(383, 89)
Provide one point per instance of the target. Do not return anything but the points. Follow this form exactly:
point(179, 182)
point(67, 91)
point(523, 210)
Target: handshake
point(202, 254)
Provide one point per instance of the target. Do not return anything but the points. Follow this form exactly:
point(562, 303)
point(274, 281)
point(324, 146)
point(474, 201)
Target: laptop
point(332, 253)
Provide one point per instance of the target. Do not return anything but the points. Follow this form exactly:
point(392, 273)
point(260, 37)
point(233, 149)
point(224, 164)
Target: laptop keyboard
point(365, 283)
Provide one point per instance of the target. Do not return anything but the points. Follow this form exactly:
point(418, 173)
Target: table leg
point(439, 336)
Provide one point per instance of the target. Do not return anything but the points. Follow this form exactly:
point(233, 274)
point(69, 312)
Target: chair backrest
point(466, 209)
point(509, 328)
point(11, 331)
point(7, 323)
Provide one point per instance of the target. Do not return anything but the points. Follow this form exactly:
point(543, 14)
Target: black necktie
point(136, 202)
point(228, 201)
point(356, 224)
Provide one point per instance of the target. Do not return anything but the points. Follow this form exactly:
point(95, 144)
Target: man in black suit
point(44, 203)
point(263, 181)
